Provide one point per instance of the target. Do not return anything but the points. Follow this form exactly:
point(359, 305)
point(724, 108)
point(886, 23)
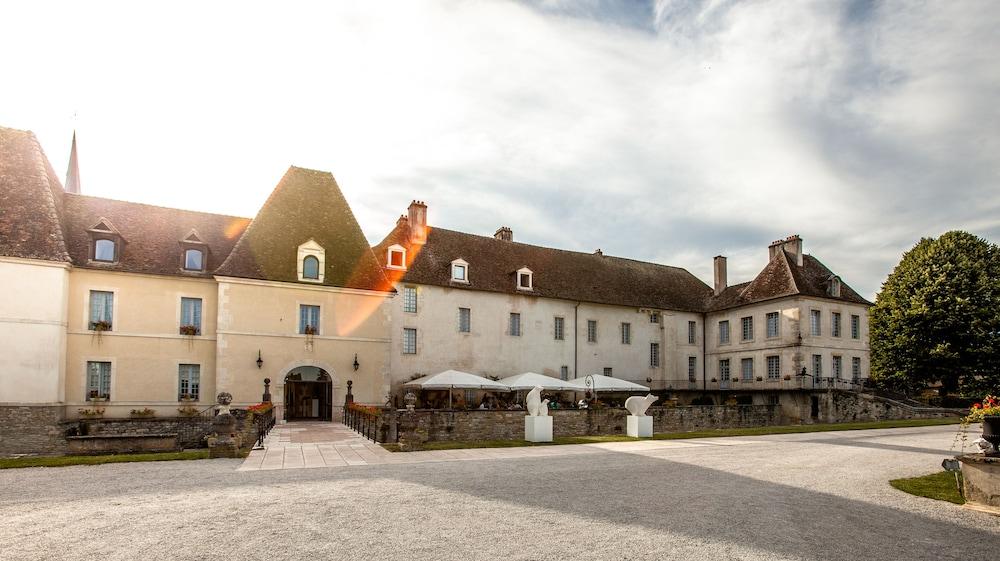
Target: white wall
point(32, 330)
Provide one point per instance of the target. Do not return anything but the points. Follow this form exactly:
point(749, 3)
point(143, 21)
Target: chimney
point(721, 279)
point(505, 234)
point(418, 222)
point(792, 244)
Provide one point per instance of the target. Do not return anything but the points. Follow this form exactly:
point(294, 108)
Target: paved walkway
point(300, 445)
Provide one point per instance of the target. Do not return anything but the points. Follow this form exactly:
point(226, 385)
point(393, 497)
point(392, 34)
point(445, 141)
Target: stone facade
point(31, 429)
point(190, 431)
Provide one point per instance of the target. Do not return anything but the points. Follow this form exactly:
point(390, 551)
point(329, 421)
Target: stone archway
point(307, 390)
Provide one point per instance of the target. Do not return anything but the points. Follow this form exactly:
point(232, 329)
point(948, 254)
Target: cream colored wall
point(144, 346)
point(794, 353)
point(32, 330)
point(489, 349)
point(264, 316)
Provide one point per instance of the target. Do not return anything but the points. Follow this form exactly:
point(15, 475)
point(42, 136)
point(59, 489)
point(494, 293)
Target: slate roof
point(556, 273)
point(306, 204)
point(30, 200)
point(151, 235)
point(783, 277)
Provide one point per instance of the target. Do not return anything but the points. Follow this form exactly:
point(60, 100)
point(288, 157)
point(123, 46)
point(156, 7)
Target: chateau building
point(125, 306)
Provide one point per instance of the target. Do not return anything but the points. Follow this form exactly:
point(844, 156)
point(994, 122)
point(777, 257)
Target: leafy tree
point(937, 318)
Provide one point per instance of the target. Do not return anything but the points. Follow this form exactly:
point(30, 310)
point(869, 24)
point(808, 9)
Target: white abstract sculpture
point(637, 405)
point(536, 406)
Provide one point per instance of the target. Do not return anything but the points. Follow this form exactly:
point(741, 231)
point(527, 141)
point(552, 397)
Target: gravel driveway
point(809, 496)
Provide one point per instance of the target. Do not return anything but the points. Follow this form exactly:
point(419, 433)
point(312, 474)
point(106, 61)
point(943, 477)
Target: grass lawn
point(940, 486)
point(59, 461)
point(709, 433)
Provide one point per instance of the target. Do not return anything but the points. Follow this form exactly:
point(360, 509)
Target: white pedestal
point(639, 427)
point(538, 429)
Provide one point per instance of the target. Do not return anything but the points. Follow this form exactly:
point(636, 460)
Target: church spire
point(73, 171)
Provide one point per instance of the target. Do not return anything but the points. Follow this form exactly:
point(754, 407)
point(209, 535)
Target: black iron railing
point(362, 420)
point(264, 423)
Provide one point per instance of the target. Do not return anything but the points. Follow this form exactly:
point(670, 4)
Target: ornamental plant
point(989, 407)
point(260, 408)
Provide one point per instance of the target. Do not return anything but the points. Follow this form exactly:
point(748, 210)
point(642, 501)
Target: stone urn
point(991, 433)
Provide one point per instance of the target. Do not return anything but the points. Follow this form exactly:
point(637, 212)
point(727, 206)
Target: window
point(591, 331)
point(626, 333)
point(815, 317)
point(515, 324)
point(654, 317)
point(101, 310)
point(692, 332)
point(559, 332)
point(773, 367)
point(397, 257)
point(724, 370)
point(564, 372)
point(772, 324)
point(409, 341)
point(724, 331)
point(310, 267)
point(464, 320)
point(459, 271)
point(746, 366)
point(194, 260)
point(190, 316)
point(308, 320)
point(747, 323)
point(855, 327)
point(837, 367)
point(692, 369)
point(855, 368)
point(410, 299)
point(835, 327)
point(818, 366)
point(607, 371)
point(654, 355)
point(104, 250)
point(98, 380)
point(524, 279)
point(188, 381)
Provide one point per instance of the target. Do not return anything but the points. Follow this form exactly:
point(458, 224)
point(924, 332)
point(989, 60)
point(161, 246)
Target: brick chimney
point(721, 278)
point(792, 244)
point(505, 234)
point(418, 222)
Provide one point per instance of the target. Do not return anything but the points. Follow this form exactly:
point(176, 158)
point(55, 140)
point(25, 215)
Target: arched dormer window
point(833, 286)
point(194, 253)
point(105, 242)
point(459, 271)
point(194, 260)
point(311, 262)
point(104, 250)
point(396, 257)
point(525, 279)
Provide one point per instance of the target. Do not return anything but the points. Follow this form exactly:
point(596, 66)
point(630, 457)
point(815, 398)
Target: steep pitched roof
point(782, 277)
point(30, 200)
point(556, 273)
point(151, 235)
point(306, 204)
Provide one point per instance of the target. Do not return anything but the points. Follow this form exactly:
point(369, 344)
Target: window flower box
point(190, 330)
point(100, 326)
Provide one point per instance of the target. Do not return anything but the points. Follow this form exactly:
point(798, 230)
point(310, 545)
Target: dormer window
point(106, 242)
point(311, 262)
point(459, 271)
point(396, 258)
point(194, 260)
point(524, 279)
point(834, 286)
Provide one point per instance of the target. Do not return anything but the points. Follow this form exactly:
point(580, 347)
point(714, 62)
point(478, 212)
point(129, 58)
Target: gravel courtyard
point(809, 496)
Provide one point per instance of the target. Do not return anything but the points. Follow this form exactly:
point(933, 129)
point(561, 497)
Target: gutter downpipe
point(704, 355)
point(576, 338)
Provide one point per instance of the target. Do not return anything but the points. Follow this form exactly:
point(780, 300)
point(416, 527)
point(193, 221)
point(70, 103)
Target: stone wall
point(190, 431)
point(846, 407)
point(31, 429)
point(509, 425)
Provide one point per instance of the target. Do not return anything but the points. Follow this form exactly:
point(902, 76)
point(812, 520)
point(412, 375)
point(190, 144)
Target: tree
point(937, 318)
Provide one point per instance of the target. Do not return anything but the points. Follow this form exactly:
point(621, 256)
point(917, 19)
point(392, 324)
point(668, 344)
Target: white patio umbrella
point(456, 379)
point(528, 381)
point(601, 383)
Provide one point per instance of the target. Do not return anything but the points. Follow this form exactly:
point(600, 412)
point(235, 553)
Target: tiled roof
point(781, 277)
point(306, 204)
point(151, 235)
point(30, 200)
point(556, 273)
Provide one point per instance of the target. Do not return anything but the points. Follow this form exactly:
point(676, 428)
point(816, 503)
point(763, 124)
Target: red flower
point(977, 405)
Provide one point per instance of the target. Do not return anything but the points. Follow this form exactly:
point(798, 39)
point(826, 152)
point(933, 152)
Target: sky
point(665, 131)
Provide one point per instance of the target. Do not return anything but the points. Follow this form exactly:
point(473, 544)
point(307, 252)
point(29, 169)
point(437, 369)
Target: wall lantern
point(260, 361)
point(356, 364)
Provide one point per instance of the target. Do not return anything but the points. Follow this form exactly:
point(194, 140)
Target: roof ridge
point(53, 214)
point(158, 206)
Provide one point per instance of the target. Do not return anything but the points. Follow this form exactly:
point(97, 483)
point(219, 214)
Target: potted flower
point(760, 379)
point(189, 330)
point(100, 325)
point(987, 413)
point(787, 377)
point(142, 413)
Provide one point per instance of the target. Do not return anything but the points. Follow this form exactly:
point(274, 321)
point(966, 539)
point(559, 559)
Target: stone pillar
point(224, 441)
point(981, 481)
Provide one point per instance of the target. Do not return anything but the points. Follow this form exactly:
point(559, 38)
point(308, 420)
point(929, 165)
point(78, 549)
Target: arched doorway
point(308, 394)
